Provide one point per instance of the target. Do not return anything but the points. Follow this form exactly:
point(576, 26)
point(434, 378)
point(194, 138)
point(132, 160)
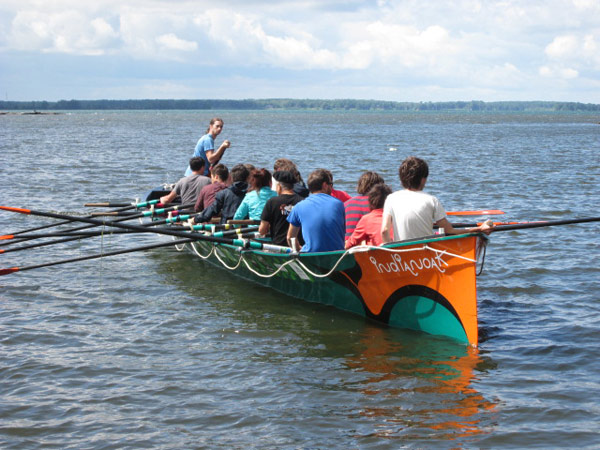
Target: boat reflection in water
point(421, 387)
point(368, 382)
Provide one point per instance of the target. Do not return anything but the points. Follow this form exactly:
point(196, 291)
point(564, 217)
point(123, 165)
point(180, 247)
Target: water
point(157, 350)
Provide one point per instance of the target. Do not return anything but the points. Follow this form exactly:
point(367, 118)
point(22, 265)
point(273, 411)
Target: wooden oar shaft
point(99, 255)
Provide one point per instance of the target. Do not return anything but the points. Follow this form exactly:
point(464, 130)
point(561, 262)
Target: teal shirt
point(254, 203)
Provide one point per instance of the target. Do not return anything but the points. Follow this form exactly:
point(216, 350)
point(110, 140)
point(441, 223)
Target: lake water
point(157, 350)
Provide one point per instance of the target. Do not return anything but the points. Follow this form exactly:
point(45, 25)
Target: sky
point(404, 50)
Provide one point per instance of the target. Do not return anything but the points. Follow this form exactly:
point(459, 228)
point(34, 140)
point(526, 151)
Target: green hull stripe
point(424, 314)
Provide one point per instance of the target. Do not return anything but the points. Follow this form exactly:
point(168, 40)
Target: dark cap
point(284, 176)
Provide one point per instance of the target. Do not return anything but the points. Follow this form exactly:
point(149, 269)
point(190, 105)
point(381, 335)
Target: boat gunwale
point(390, 245)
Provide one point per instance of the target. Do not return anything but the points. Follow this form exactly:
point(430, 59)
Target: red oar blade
point(18, 210)
point(9, 270)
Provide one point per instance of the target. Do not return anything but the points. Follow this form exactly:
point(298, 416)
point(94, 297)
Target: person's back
point(188, 188)
point(412, 213)
point(191, 188)
point(219, 177)
point(276, 210)
point(228, 200)
point(358, 206)
point(368, 229)
point(255, 200)
point(321, 216)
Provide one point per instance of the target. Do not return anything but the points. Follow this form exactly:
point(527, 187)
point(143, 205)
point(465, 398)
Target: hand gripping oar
point(167, 232)
point(99, 255)
point(547, 223)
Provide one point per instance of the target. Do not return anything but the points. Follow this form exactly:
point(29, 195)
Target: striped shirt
point(355, 208)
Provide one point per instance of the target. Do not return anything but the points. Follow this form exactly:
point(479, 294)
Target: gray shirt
point(189, 187)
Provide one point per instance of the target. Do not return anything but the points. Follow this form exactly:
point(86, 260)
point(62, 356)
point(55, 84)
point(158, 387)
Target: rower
point(412, 213)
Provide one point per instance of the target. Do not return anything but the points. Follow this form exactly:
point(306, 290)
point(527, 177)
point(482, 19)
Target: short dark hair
point(317, 178)
point(367, 180)
point(239, 172)
point(412, 171)
point(289, 165)
point(197, 163)
point(377, 195)
point(260, 178)
point(221, 171)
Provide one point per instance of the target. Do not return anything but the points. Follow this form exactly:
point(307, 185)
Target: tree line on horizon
point(266, 104)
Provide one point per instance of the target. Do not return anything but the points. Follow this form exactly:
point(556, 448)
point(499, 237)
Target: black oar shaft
point(167, 232)
point(85, 227)
point(549, 223)
point(99, 255)
point(107, 205)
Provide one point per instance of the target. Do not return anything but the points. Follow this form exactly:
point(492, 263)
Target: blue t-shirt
point(321, 217)
point(204, 144)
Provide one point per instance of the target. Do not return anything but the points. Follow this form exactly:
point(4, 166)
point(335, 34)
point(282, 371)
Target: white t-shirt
point(413, 213)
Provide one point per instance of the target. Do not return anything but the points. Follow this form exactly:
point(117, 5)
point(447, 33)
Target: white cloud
point(565, 73)
point(442, 47)
point(171, 42)
point(66, 32)
point(562, 46)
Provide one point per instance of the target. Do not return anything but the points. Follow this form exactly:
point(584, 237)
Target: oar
point(130, 206)
point(237, 231)
point(167, 232)
point(135, 216)
point(473, 224)
point(61, 241)
point(107, 205)
point(99, 255)
point(62, 234)
point(548, 223)
point(483, 212)
point(78, 237)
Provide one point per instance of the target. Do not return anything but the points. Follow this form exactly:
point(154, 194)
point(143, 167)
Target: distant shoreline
point(39, 107)
point(28, 113)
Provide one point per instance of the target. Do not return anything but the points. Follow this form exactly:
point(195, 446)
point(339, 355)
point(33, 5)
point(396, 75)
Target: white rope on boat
point(192, 244)
point(361, 248)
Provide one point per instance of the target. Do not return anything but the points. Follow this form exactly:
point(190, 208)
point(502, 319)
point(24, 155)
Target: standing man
point(412, 213)
point(205, 148)
point(276, 210)
point(321, 217)
point(189, 187)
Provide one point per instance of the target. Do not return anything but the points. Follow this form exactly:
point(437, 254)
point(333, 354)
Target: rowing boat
point(427, 285)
